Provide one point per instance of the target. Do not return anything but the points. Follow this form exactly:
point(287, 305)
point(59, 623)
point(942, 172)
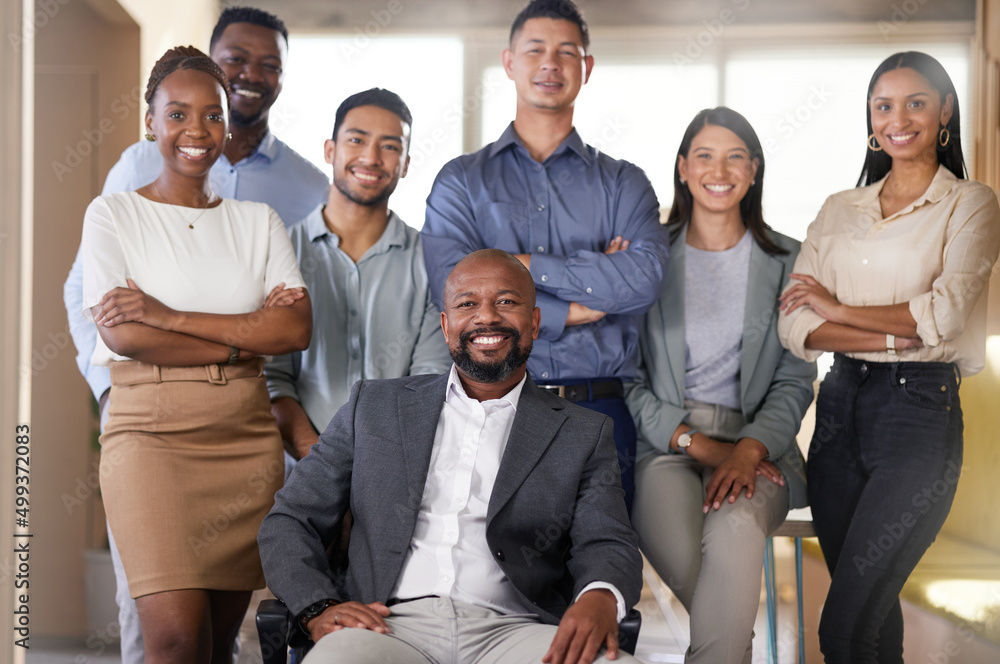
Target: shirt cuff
point(548, 271)
point(922, 310)
point(598, 585)
point(554, 312)
point(803, 323)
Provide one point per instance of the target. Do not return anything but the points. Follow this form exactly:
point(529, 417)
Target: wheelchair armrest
point(628, 631)
point(273, 621)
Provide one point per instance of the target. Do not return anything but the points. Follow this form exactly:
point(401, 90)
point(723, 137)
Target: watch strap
point(314, 610)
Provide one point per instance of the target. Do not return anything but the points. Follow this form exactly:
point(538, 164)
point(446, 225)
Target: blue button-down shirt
point(373, 319)
point(564, 212)
point(274, 174)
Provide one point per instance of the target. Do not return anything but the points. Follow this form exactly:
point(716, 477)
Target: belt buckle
point(217, 374)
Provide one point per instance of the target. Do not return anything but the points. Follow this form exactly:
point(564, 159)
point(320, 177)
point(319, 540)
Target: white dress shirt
point(937, 254)
point(449, 555)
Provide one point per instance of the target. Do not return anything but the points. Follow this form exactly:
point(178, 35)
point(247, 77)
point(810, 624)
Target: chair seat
point(798, 523)
point(795, 529)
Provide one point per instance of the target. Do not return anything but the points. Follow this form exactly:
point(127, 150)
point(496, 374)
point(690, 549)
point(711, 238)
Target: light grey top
point(715, 294)
point(373, 319)
point(776, 387)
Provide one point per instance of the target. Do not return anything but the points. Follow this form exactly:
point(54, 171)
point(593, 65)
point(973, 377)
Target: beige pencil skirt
point(190, 461)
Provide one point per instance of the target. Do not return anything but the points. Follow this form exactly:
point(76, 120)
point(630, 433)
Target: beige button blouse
point(936, 253)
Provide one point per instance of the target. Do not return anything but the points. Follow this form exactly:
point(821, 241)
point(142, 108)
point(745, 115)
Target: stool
point(798, 524)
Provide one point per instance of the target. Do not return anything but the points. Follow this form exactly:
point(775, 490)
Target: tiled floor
point(663, 638)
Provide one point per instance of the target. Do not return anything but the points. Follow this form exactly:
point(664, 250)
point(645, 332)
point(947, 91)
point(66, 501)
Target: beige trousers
point(713, 561)
point(440, 630)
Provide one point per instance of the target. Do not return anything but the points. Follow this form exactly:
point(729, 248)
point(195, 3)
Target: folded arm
point(272, 330)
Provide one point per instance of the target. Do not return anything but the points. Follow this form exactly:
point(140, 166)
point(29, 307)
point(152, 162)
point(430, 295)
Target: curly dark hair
point(250, 15)
point(183, 57)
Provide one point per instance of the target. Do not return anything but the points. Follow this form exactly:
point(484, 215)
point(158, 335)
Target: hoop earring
point(944, 137)
point(150, 137)
point(872, 145)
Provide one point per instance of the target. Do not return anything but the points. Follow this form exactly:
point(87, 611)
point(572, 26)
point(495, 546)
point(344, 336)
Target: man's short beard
point(375, 201)
point(491, 372)
point(238, 119)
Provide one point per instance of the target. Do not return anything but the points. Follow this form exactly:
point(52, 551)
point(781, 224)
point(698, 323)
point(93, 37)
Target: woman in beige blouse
point(892, 278)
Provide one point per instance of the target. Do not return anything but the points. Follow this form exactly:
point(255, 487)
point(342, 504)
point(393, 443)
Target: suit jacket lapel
point(766, 273)
point(536, 423)
point(419, 411)
point(671, 308)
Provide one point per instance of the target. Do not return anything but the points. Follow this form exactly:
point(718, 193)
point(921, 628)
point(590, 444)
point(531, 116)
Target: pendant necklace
point(201, 209)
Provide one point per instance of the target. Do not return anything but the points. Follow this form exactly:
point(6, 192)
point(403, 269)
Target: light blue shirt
point(274, 174)
point(564, 212)
point(373, 319)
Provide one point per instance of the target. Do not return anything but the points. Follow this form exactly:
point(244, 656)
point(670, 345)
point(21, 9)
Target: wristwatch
point(684, 440)
point(314, 610)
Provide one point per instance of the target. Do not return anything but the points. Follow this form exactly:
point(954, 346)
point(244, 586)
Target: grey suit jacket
point(776, 387)
point(556, 520)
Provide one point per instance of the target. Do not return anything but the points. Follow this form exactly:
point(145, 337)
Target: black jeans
point(884, 464)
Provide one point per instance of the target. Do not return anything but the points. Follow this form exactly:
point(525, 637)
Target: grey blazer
point(556, 519)
point(776, 387)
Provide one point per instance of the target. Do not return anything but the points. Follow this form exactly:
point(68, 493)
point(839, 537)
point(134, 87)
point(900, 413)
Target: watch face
point(684, 440)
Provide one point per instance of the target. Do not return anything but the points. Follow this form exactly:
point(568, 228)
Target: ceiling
point(423, 15)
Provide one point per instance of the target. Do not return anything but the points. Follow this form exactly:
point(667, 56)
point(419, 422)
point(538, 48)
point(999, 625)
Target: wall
point(86, 109)
point(163, 25)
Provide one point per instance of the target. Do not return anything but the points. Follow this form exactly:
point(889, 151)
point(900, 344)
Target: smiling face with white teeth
point(490, 320)
point(369, 155)
point(253, 57)
point(548, 64)
point(718, 170)
point(189, 118)
point(907, 114)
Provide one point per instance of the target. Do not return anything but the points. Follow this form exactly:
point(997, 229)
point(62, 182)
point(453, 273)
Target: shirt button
point(541, 249)
point(354, 312)
point(902, 381)
point(864, 261)
point(354, 355)
point(499, 555)
point(589, 290)
point(545, 374)
point(545, 277)
point(541, 207)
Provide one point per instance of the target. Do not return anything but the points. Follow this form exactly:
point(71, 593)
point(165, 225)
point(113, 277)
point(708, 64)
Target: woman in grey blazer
point(717, 401)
